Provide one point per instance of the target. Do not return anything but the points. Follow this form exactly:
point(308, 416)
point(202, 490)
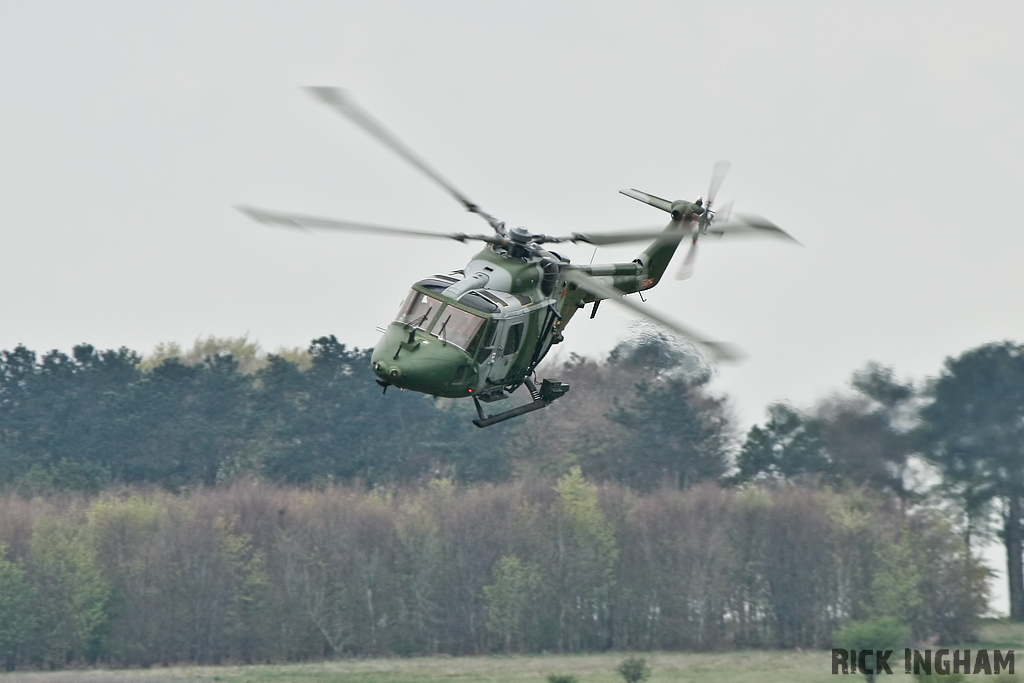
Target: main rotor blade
point(741, 225)
point(342, 103)
point(717, 176)
point(719, 350)
point(292, 220)
point(623, 237)
point(749, 225)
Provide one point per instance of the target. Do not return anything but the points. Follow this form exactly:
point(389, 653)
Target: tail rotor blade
point(717, 176)
point(685, 271)
point(724, 213)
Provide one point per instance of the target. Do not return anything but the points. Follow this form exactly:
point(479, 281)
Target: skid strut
point(550, 389)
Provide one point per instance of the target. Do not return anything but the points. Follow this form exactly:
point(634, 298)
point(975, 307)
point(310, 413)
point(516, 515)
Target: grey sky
point(885, 136)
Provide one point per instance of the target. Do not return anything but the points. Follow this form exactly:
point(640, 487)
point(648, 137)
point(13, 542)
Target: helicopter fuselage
point(482, 331)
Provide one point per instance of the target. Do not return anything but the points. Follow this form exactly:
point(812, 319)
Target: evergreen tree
point(788, 446)
point(973, 430)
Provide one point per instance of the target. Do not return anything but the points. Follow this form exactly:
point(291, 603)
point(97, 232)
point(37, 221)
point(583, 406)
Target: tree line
point(94, 418)
point(643, 418)
point(255, 572)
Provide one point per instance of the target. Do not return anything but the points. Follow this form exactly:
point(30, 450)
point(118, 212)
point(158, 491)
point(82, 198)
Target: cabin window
point(457, 327)
point(418, 309)
point(513, 339)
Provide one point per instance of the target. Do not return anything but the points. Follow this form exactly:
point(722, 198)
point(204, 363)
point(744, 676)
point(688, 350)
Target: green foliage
point(787, 447)
point(248, 354)
point(883, 633)
point(880, 384)
point(57, 412)
point(896, 587)
point(256, 572)
point(247, 571)
point(684, 432)
point(222, 412)
point(952, 613)
point(935, 677)
point(859, 439)
point(72, 614)
point(131, 538)
point(584, 569)
point(644, 417)
point(331, 423)
point(972, 431)
point(509, 598)
point(249, 599)
point(634, 669)
point(17, 599)
point(799, 558)
point(584, 522)
point(563, 678)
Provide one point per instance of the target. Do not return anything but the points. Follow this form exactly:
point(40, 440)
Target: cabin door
point(510, 342)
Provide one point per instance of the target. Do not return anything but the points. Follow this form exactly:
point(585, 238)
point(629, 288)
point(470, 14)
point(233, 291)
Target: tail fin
point(655, 258)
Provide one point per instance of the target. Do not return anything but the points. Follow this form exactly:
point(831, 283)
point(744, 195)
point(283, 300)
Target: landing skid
point(550, 389)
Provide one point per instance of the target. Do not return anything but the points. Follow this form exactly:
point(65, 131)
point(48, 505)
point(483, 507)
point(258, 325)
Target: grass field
point(737, 667)
point(749, 666)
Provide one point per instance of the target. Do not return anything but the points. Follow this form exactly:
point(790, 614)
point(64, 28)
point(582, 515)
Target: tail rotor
point(717, 176)
point(706, 218)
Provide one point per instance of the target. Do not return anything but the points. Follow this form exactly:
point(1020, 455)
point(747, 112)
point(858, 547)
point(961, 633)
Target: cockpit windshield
point(418, 309)
point(457, 327)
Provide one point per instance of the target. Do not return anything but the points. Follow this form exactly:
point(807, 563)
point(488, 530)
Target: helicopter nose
point(405, 374)
point(392, 373)
point(425, 364)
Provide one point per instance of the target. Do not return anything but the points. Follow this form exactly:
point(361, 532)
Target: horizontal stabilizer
point(662, 204)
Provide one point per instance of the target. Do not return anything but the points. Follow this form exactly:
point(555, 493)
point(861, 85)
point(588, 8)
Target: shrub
point(562, 678)
point(885, 633)
point(940, 678)
point(634, 669)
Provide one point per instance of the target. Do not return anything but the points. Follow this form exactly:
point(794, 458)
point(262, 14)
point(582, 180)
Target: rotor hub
point(519, 235)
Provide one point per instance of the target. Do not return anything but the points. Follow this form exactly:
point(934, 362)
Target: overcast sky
point(885, 136)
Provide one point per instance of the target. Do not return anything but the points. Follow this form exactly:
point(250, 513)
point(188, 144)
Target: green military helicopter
point(481, 331)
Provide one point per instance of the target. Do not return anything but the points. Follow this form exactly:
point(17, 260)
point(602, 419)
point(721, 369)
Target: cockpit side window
point(418, 309)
